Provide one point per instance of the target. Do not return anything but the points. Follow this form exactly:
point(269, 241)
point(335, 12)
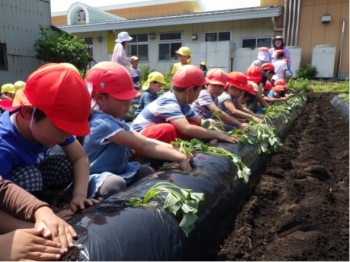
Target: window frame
point(137, 44)
point(169, 42)
point(256, 41)
point(3, 52)
point(217, 36)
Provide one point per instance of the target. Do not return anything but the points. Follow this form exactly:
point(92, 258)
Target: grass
point(301, 84)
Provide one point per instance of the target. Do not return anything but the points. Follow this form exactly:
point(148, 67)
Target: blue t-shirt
point(162, 110)
point(200, 105)
point(16, 151)
point(271, 94)
point(104, 155)
point(147, 97)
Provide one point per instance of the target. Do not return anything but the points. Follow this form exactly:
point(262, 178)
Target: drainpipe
point(297, 27)
point(275, 28)
point(284, 19)
point(341, 46)
point(293, 25)
point(289, 22)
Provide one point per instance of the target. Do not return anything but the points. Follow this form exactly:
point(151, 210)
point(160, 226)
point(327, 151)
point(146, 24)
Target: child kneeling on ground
point(152, 86)
point(52, 108)
point(170, 116)
point(110, 141)
point(207, 103)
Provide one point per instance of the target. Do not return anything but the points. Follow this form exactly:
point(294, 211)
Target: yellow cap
point(19, 85)
point(154, 76)
point(185, 51)
point(71, 66)
point(8, 88)
point(134, 58)
point(203, 64)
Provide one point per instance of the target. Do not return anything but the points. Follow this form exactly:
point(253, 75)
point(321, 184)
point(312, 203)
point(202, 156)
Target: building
point(19, 29)
point(314, 30)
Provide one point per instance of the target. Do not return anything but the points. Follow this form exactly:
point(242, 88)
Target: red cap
point(268, 67)
point(217, 76)
point(268, 85)
point(240, 81)
point(61, 94)
point(254, 74)
point(188, 76)
point(278, 88)
point(112, 79)
point(280, 82)
point(279, 52)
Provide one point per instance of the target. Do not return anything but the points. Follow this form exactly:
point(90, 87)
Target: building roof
point(194, 18)
point(93, 14)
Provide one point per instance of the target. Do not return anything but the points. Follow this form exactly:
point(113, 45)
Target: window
point(138, 46)
point(3, 56)
point(169, 44)
point(256, 42)
point(217, 36)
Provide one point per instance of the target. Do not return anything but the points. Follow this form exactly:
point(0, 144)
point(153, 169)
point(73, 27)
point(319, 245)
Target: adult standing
point(119, 55)
point(278, 44)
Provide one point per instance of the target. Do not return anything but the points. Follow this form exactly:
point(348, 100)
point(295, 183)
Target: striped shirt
point(162, 110)
point(200, 105)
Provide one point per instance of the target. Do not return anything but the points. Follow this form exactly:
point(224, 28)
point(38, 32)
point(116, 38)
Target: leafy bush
point(307, 71)
point(299, 84)
point(58, 47)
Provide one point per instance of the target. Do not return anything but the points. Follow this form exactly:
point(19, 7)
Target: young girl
point(237, 83)
point(207, 102)
point(152, 86)
point(110, 140)
point(184, 55)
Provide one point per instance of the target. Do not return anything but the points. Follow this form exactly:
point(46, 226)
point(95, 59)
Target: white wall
point(19, 29)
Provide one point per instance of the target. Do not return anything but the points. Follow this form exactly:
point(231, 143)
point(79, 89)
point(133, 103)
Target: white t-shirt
point(279, 65)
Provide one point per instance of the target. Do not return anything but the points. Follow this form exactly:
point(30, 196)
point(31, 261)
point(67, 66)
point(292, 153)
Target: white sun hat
point(122, 37)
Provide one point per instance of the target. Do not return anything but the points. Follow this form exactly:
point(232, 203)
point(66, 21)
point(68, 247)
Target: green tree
point(58, 46)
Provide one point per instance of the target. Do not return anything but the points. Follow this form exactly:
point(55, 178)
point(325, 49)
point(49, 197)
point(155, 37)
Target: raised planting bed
point(341, 104)
point(110, 231)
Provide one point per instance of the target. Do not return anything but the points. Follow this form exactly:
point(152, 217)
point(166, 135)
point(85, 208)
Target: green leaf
point(188, 209)
point(188, 219)
point(187, 230)
point(197, 196)
point(172, 203)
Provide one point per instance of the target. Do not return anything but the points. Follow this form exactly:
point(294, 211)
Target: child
point(184, 55)
point(207, 102)
point(278, 44)
point(278, 92)
point(170, 116)
point(134, 61)
point(19, 85)
point(203, 67)
point(110, 140)
point(263, 57)
point(280, 66)
point(53, 106)
point(152, 86)
point(255, 76)
point(237, 84)
point(268, 70)
point(267, 88)
point(8, 90)
point(50, 238)
point(289, 72)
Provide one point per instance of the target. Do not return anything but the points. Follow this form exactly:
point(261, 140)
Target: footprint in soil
point(316, 171)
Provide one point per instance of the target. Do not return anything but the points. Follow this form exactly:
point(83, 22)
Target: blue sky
point(63, 5)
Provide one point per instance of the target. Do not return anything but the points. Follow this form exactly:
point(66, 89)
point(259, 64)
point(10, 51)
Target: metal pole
point(341, 46)
point(289, 22)
point(297, 26)
point(284, 20)
point(293, 23)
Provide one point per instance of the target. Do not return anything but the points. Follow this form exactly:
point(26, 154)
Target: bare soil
point(299, 209)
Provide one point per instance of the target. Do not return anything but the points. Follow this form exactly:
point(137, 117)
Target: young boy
point(207, 102)
point(184, 55)
point(109, 143)
point(263, 57)
point(8, 90)
point(257, 79)
point(50, 238)
point(154, 83)
point(134, 64)
point(237, 84)
point(281, 66)
point(278, 92)
point(52, 108)
point(170, 116)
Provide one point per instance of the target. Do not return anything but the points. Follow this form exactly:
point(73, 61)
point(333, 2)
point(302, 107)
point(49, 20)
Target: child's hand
point(27, 244)
point(242, 126)
point(79, 202)
point(224, 137)
point(55, 228)
point(185, 165)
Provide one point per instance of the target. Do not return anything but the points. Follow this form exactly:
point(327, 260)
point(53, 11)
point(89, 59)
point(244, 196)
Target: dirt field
point(299, 209)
